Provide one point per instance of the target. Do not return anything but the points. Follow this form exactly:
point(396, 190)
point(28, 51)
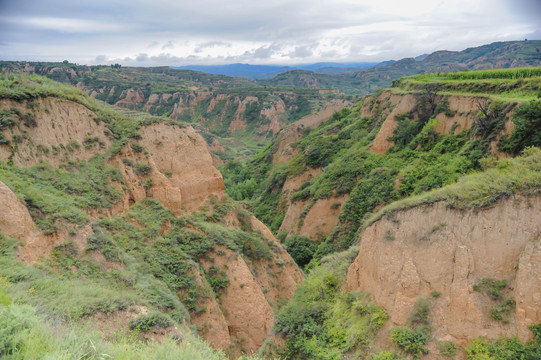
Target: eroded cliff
point(434, 249)
point(166, 162)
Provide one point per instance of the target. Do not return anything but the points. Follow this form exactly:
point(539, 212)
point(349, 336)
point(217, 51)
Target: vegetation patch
point(323, 322)
point(495, 290)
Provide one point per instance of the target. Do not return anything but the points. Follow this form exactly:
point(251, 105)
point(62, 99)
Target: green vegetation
point(447, 348)
point(414, 338)
point(420, 160)
point(527, 131)
point(521, 175)
point(520, 84)
point(72, 286)
point(323, 322)
point(58, 194)
point(506, 348)
point(494, 290)
point(301, 249)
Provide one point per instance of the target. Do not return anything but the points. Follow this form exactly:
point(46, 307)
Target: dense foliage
point(324, 322)
point(420, 160)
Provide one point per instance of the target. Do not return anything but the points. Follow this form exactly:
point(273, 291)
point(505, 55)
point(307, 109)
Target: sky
point(211, 32)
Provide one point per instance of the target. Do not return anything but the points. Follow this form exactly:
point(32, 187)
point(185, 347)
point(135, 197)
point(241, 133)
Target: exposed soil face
point(242, 317)
point(183, 153)
point(295, 131)
point(15, 220)
point(61, 127)
point(435, 248)
point(248, 314)
point(462, 111)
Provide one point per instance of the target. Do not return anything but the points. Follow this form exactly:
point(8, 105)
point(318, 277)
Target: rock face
point(435, 248)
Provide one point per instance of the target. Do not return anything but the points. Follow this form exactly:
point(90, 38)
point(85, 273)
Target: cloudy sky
point(180, 32)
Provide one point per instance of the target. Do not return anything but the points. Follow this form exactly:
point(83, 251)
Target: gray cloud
point(172, 32)
point(302, 52)
point(168, 45)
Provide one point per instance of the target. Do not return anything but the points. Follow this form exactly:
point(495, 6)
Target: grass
point(28, 335)
point(55, 296)
point(324, 322)
point(517, 84)
point(521, 175)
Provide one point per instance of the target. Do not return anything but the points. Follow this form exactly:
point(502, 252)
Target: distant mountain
point(268, 71)
point(366, 81)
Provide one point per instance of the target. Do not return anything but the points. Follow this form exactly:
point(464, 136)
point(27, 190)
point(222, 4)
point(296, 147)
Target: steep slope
point(475, 252)
point(452, 272)
point(423, 134)
point(137, 200)
point(223, 106)
point(438, 249)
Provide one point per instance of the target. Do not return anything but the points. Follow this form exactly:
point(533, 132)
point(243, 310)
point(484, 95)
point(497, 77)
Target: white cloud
point(167, 32)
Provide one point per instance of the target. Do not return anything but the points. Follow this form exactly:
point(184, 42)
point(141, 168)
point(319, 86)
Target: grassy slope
point(57, 295)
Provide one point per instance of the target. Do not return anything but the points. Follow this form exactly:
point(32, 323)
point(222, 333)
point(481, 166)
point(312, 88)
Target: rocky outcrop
point(435, 249)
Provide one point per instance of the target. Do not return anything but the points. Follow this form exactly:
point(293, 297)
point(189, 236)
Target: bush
point(447, 348)
point(301, 249)
point(137, 148)
point(147, 322)
point(527, 131)
point(142, 169)
point(411, 341)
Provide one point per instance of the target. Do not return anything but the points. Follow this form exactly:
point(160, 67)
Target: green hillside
point(46, 309)
point(496, 55)
point(420, 160)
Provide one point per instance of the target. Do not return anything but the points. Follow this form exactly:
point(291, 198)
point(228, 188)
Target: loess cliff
point(232, 285)
point(434, 249)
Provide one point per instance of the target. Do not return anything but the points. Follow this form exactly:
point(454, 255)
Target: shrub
point(142, 169)
point(447, 348)
point(127, 162)
point(301, 249)
point(137, 148)
point(527, 131)
point(411, 341)
point(147, 322)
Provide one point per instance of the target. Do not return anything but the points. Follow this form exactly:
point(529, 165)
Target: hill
point(266, 71)
point(120, 223)
point(495, 55)
point(229, 111)
point(407, 181)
